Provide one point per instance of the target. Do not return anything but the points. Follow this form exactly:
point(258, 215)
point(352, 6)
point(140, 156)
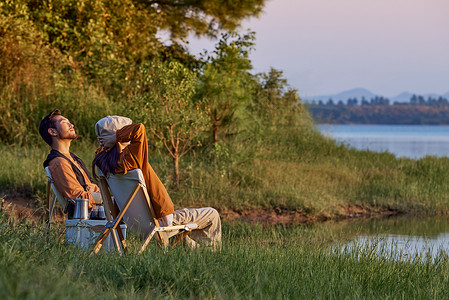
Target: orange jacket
point(66, 182)
point(135, 156)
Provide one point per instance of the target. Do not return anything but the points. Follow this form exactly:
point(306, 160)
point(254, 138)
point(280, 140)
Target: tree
point(106, 39)
point(202, 17)
point(167, 106)
point(225, 82)
point(26, 74)
point(104, 30)
point(274, 100)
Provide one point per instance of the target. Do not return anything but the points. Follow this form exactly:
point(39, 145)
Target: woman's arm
point(136, 135)
point(133, 133)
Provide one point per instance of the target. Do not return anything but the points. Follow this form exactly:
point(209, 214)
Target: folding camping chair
point(135, 208)
point(51, 201)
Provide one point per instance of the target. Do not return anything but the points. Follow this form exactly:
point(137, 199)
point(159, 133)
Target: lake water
point(399, 237)
point(412, 141)
point(402, 238)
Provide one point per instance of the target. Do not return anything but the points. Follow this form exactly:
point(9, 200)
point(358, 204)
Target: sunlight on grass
point(255, 262)
point(303, 171)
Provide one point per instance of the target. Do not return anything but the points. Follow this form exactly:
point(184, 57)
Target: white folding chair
point(51, 201)
point(135, 208)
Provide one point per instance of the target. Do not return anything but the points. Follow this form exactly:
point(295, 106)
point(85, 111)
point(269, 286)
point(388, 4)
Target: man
point(71, 177)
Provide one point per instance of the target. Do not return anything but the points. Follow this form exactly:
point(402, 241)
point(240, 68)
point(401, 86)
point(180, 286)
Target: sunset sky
point(328, 46)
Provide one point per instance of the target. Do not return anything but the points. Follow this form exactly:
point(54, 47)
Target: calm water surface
point(412, 141)
point(402, 238)
point(398, 237)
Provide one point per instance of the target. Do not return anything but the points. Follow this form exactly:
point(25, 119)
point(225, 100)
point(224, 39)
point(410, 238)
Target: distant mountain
point(405, 96)
point(344, 96)
point(361, 92)
point(402, 97)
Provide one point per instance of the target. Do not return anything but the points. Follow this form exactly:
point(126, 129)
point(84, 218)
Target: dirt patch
point(357, 211)
point(23, 208)
point(265, 216)
point(288, 217)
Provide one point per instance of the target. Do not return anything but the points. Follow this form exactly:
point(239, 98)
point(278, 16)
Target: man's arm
point(67, 184)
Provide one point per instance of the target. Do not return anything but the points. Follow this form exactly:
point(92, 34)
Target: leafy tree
point(202, 17)
point(107, 39)
point(166, 104)
point(95, 31)
point(275, 101)
point(26, 73)
point(225, 82)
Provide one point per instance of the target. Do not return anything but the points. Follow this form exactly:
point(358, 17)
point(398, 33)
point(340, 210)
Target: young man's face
point(64, 129)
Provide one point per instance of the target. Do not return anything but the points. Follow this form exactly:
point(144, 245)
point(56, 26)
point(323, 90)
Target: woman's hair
point(106, 161)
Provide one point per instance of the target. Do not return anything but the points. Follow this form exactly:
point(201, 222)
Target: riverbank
point(21, 209)
point(289, 176)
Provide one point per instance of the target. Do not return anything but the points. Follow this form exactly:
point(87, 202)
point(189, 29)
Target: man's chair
point(51, 201)
point(135, 208)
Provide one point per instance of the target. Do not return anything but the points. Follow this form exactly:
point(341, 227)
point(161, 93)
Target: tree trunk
point(176, 166)
point(215, 128)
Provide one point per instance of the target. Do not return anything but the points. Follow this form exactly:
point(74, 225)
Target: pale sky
point(328, 46)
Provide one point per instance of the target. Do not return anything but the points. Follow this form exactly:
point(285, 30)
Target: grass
point(254, 263)
point(298, 170)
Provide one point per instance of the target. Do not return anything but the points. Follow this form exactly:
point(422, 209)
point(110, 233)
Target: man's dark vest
point(79, 176)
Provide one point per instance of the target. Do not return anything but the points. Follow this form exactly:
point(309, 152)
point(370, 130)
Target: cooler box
point(83, 233)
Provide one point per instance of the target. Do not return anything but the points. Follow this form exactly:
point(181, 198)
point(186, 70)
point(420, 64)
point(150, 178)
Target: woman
point(124, 147)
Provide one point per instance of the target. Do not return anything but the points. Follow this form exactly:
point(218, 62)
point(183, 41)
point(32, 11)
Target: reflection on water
point(412, 141)
point(403, 247)
point(401, 237)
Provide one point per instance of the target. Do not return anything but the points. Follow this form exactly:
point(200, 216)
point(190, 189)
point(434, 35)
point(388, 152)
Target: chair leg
point(180, 237)
point(100, 239)
point(48, 206)
point(50, 209)
point(61, 234)
point(147, 240)
point(110, 227)
point(122, 239)
point(116, 240)
point(47, 210)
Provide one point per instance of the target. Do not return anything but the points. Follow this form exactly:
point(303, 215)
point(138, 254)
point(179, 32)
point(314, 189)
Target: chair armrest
point(186, 227)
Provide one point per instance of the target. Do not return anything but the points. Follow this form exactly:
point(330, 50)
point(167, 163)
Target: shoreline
point(21, 208)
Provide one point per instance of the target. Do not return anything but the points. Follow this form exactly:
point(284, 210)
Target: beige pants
point(208, 232)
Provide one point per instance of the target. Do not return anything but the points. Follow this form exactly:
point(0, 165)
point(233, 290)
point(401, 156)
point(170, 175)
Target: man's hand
point(107, 141)
point(97, 197)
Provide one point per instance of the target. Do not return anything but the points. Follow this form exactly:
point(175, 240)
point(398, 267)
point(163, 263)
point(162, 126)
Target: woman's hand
point(107, 141)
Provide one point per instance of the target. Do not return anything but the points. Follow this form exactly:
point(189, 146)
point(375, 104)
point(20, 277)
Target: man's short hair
point(46, 123)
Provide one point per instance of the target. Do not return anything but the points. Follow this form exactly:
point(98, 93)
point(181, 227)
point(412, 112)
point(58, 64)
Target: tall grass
point(297, 170)
point(254, 263)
